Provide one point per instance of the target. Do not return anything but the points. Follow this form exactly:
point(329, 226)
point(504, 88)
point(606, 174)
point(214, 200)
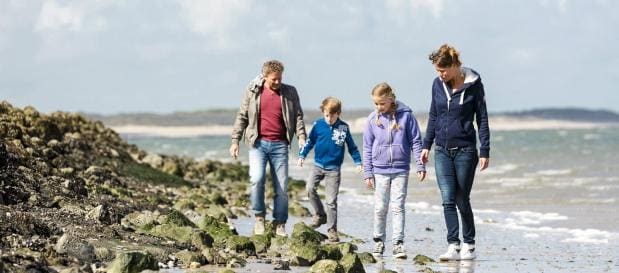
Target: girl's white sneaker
point(452, 254)
point(467, 252)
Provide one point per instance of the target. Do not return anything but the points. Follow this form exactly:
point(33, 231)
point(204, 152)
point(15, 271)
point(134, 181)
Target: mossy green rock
point(296, 209)
point(187, 257)
point(367, 258)
point(388, 271)
point(326, 266)
point(422, 259)
point(194, 236)
point(176, 217)
point(226, 271)
point(332, 251)
point(346, 248)
point(305, 254)
point(218, 230)
point(305, 234)
point(261, 242)
point(132, 262)
point(352, 263)
point(241, 244)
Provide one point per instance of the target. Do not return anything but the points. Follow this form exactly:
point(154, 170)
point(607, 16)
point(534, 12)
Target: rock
point(367, 258)
point(132, 262)
point(240, 244)
point(261, 242)
point(177, 218)
point(188, 257)
point(66, 171)
point(326, 266)
point(388, 271)
point(185, 234)
point(218, 230)
point(305, 234)
point(154, 160)
point(305, 254)
point(296, 209)
point(352, 264)
point(281, 265)
point(422, 259)
point(138, 220)
point(332, 251)
point(226, 270)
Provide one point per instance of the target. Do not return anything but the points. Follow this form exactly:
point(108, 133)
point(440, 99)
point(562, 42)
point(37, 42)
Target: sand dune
point(496, 124)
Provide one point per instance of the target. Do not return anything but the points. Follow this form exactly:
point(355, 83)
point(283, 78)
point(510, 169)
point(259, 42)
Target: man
point(269, 116)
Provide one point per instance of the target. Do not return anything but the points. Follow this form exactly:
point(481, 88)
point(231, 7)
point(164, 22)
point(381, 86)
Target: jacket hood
point(256, 84)
point(470, 76)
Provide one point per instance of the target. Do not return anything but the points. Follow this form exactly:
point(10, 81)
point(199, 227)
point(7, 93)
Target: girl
point(388, 139)
point(457, 99)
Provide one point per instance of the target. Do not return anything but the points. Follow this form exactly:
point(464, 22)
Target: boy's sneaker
point(280, 230)
point(452, 254)
point(398, 250)
point(467, 252)
point(379, 248)
point(318, 221)
point(259, 226)
point(332, 236)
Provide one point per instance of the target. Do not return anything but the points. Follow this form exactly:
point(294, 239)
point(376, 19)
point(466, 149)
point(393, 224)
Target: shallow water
point(547, 203)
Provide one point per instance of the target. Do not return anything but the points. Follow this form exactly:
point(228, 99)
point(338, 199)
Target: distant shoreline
point(496, 124)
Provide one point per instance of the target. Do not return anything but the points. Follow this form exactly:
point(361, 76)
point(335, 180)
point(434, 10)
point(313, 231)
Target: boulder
point(326, 266)
point(132, 262)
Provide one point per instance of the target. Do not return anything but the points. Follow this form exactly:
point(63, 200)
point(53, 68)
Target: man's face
point(273, 80)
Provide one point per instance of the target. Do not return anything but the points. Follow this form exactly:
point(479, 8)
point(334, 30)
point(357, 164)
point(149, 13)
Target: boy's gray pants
point(332, 187)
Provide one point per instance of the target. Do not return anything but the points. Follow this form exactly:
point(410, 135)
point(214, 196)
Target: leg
point(446, 179)
point(382, 184)
point(312, 186)
point(278, 159)
point(257, 171)
point(466, 162)
point(399, 186)
point(332, 184)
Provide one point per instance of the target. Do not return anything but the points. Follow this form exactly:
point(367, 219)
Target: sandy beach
point(357, 125)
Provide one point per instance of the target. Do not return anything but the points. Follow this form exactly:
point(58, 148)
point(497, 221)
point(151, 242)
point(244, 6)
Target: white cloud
point(434, 6)
point(214, 17)
point(55, 17)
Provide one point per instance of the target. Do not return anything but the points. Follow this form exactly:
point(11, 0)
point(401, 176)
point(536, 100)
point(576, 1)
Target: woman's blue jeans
point(455, 171)
point(275, 153)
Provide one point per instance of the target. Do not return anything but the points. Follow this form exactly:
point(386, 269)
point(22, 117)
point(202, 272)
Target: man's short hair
point(272, 66)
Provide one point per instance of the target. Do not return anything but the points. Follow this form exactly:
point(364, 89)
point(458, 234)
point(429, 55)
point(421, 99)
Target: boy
point(328, 135)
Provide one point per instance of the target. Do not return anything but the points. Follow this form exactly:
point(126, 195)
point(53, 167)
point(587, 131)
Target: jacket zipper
point(389, 138)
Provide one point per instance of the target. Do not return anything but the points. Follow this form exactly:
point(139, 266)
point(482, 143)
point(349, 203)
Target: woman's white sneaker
point(467, 252)
point(452, 254)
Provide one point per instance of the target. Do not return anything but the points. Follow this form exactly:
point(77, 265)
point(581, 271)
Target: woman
point(457, 100)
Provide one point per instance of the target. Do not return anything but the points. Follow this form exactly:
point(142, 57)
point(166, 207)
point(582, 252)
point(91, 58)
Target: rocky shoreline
point(75, 197)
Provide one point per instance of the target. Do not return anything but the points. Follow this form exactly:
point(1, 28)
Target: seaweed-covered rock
point(367, 258)
point(352, 264)
point(241, 244)
point(132, 262)
point(327, 266)
point(422, 259)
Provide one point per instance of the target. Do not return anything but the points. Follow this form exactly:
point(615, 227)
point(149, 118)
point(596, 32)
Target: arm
point(240, 124)
point(414, 138)
point(301, 135)
point(352, 148)
point(430, 131)
point(481, 117)
point(305, 149)
point(368, 140)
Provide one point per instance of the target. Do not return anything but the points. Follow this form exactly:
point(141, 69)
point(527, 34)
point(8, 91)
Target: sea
point(544, 189)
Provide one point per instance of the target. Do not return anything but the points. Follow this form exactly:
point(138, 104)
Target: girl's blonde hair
point(384, 91)
point(445, 56)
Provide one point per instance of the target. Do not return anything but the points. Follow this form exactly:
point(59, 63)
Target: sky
point(112, 56)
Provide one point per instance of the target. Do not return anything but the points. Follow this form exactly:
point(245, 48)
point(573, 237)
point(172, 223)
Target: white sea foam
point(531, 235)
point(591, 136)
point(509, 181)
point(501, 169)
point(555, 172)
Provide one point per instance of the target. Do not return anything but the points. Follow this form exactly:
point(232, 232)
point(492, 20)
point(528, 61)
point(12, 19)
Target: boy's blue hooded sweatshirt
point(451, 115)
point(329, 142)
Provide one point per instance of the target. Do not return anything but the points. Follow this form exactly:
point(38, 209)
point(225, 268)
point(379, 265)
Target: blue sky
point(110, 56)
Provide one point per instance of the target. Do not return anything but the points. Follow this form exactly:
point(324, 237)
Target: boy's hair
point(445, 56)
point(331, 105)
point(272, 66)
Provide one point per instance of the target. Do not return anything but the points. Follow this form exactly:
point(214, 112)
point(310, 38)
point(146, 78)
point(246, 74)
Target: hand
point(300, 162)
point(301, 143)
point(359, 169)
point(425, 153)
point(234, 150)
point(483, 163)
point(421, 176)
point(370, 182)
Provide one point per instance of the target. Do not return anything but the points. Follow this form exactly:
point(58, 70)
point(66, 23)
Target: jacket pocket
point(399, 155)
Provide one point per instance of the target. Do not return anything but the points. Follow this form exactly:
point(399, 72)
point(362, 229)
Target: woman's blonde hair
point(384, 91)
point(445, 56)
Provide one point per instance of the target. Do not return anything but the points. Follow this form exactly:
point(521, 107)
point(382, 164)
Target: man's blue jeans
point(276, 154)
point(455, 171)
